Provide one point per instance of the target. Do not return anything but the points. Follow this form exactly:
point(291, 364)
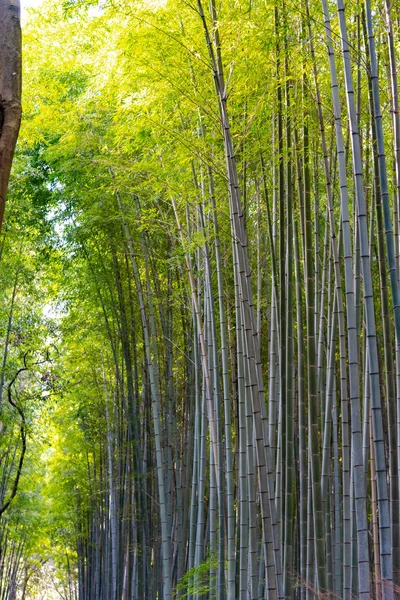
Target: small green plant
point(200, 580)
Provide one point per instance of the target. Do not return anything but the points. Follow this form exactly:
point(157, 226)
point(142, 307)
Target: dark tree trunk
point(10, 90)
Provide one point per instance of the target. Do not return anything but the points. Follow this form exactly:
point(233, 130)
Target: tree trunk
point(10, 90)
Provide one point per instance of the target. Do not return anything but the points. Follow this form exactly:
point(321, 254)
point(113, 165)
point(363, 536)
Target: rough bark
point(10, 90)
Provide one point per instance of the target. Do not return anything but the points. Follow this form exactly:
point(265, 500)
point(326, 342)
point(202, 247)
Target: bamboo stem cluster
point(250, 443)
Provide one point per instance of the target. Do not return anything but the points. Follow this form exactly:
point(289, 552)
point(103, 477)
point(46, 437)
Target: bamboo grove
point(204, 384)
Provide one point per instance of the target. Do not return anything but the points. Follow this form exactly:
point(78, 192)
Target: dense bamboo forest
point(200, 300)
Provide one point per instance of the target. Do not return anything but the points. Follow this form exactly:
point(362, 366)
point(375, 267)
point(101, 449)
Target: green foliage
point(120, 110)
point(197, 581)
